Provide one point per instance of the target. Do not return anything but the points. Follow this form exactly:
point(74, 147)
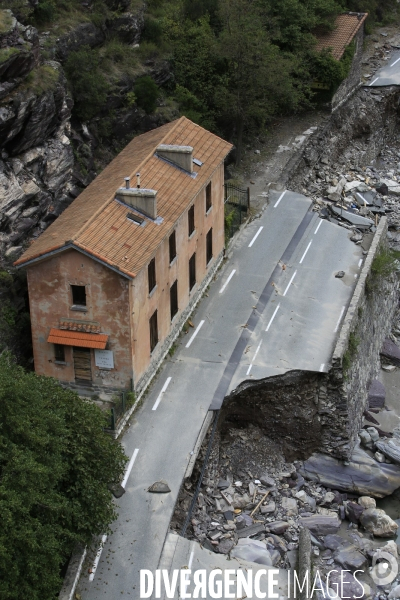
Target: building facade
point(112, 281)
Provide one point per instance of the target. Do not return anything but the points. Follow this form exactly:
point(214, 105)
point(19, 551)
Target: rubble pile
point(355, 197)
point(252, 505)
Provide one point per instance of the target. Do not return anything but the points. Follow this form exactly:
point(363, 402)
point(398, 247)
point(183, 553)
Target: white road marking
point(184, 589)
point(199, 326)
point(279, 199)
point(129, 467)
point(97, 558)
point(355, 276)
point(340, 318)
point(396, 61)
point(226, 282)
point(302, 258)
point(319, 225)
point(322, 367)
point(360, 262)
point(160, 395)
point(256, 236)
point(272, 318)
point(289, 284)
point(254, 358)
point(373, 81)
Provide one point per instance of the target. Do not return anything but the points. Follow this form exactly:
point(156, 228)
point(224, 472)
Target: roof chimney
point(143, 200)
point(180, 156)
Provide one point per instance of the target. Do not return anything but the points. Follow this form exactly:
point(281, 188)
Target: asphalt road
point(389, 74)
point(234, 315)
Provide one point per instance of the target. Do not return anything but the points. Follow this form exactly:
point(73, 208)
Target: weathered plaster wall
point(107, 295)
point(308, 411)
point(144, 304)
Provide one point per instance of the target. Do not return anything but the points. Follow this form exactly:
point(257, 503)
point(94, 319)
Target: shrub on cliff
point(56, 466)
point(147, 93)
point(89, 86)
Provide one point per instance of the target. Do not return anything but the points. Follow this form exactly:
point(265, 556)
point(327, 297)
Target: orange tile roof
point(96, 223)
point(77, 338)
point(346, 28)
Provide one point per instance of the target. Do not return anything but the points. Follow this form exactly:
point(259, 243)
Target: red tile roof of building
point(346, 27)
point(97, 224)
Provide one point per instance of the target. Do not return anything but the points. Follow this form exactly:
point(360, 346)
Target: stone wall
point(367, 121)
point(367, 323)
point(352, 81)
point(309, 411)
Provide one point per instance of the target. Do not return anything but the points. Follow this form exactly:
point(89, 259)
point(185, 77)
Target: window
point(78, 295)
point(173, 296)
point(192, 271)
point(59, 353)
point(152, 275)
point(191, 220)
point(208, 197)
point(172, 246)
point(209, 249)
point(153, 331)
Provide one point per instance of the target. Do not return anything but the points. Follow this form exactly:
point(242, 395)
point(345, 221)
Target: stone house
point(348, 28)
point(112, 281)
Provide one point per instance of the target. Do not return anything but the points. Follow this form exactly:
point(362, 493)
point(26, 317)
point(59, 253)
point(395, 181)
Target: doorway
point(83, 365)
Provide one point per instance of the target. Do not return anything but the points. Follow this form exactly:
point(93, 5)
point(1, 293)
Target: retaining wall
point(308, 411)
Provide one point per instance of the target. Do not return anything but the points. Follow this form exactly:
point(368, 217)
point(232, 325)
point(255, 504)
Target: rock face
point(376, 521)
point(84, 34)
point(363, 475)
point(128, 26)
point(391, 351)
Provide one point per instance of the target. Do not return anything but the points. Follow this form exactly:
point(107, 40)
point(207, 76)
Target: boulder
point(376, 521)
point(321, 524)
point(127, 26)
point(391, 351)
point(252, 551)
point(347, 585)
point(269, 508)
point(277, 527)
point(354, 511)
point(393, 187)
point(361, 475)
point(374, 435)
point(333, 541)
point(84, 34)
point(289, 505)
point(367, 502)
point(225, 546)
point(376, 394)
point(349, 557)
point(390, 448)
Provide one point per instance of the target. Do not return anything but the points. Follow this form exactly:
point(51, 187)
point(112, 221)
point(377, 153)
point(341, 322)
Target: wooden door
point(82, 365)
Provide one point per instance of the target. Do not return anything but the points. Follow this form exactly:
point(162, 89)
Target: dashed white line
point(160, 395)
point(318, 226)
point(355, 276)
point(396, 61)
point(185, 585)
point(254, 358)
point(302, 258)
point(129, 467)
point(373, 81)
point(279, 199)
point(196, 331)
point(322, 367)
point(289, 284)
point(256, 236)
point(273, 316)
point(97, 557)
point(340, 318)
point(360, 262)
point(226, 282)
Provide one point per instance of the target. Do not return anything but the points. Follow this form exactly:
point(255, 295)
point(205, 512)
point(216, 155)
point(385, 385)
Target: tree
point(56, 467)
point(260, 78)
point(147, 93)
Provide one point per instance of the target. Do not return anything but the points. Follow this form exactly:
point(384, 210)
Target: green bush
point(147, 93)
point(88, 83)
point(45, 12)
point(152, 31)
point(42, 79)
